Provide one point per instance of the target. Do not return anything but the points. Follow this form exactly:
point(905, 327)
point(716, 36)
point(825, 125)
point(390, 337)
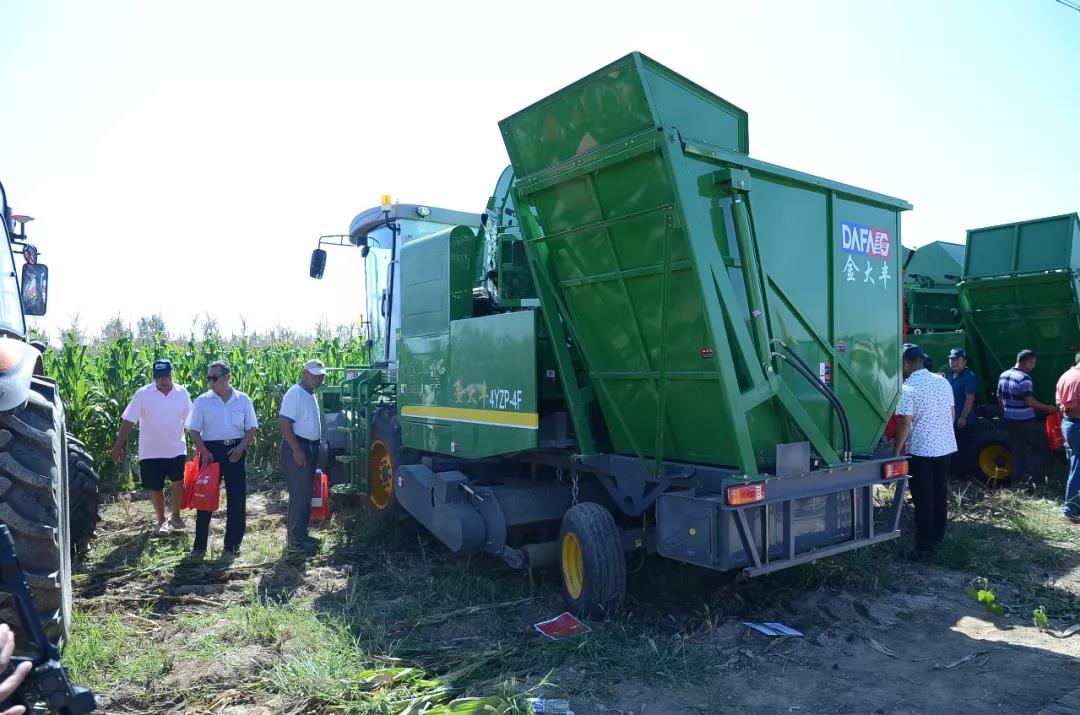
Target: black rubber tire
point(386, 429)
point(84, 490)
point(991, 438)
point(603, 563)
point(34, 505)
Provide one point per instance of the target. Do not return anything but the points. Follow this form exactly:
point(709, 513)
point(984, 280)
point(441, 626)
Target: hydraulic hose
point(845, 423)
point(841, 412)
point(833, 400)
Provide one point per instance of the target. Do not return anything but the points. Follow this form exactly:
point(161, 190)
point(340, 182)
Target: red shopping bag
point(1054, 436)
point(202, 485)
point(320, 496)
point(191, 473)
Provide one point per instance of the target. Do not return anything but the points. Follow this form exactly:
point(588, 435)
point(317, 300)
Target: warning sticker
point(870, 241)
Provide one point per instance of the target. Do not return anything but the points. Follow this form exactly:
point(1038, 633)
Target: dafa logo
point(869, 241)
point(868, 250)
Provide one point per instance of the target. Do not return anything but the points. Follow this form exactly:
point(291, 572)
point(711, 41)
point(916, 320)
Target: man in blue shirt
point(962, 380)
point(1019, 410)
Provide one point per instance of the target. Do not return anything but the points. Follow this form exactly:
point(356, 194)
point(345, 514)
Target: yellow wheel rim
point(381, 471)
point(995, 462)
point(573, 567)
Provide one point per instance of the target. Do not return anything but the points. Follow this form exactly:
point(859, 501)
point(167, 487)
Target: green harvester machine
point(648, 343)
point(932, 316)
point(1020, 289)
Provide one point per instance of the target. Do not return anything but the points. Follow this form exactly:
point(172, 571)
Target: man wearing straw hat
point(301, 430)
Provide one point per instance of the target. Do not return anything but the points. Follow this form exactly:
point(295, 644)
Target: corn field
point(98, 376)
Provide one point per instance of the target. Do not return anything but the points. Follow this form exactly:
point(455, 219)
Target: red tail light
point(894, 469)
point(746, 494)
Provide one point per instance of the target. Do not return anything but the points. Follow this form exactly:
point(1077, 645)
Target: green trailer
point(649, 342)
point(1019, 290)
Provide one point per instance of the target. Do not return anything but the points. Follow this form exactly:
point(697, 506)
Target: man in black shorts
point(160, 410)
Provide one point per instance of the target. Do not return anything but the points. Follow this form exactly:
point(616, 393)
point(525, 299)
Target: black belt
point(309, 442)
point(223, 442)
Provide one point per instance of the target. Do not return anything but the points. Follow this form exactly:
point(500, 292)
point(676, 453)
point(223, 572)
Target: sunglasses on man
point(215, 378)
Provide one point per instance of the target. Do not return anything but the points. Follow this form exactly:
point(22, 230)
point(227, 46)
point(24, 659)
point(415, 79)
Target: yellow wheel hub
point(381, 471)
point(995, 462)
point(573, 566)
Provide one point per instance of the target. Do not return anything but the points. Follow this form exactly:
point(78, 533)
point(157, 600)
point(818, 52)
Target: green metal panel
point(626, 93)
point(1025, 247)
point(480, 398)
point(933, 308)
point(1038, 311)
point(466, 247)
point(673, 262)
point(1020, 292)
point(467, 385)
point(425, 285)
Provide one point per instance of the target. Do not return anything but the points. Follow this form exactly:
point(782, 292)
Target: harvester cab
point(380, 233)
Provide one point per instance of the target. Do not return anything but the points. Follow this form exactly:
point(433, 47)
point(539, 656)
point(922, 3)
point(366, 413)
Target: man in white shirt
point(301, 430)
point(926, 415)
point(222, 424)
point(159, 409)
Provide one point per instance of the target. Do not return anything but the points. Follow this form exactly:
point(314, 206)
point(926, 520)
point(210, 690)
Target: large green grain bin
point(1020, 290)
point(678, 264)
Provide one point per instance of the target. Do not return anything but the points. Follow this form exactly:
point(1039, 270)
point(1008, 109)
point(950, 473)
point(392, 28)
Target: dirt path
point(236, 637)
point(926, 649)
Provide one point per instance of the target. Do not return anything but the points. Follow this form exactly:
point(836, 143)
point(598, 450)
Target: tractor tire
point(34, 506)
point(592, 561)
point(385, 455)
point(992, 458)
point(84, 492)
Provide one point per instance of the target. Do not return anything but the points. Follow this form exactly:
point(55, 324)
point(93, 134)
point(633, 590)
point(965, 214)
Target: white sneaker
point(162, 528)
point(177, 524)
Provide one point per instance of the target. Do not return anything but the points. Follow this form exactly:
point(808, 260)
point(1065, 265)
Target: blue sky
point(182, 158)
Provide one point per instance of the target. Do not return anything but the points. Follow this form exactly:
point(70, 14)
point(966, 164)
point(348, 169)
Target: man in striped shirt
point(1019, 415)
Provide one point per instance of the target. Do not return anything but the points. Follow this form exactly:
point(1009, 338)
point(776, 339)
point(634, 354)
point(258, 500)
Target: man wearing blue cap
point(159, 409)
point(963, 383)
point(926, 424)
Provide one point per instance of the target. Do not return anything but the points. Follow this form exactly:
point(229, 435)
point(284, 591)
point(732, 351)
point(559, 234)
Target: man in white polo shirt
point(926, 423)
point(159, 409)
point(222, 424)
point(301, 429)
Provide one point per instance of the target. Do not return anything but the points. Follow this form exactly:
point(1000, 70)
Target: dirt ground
point(923, 649)
point(911, 641)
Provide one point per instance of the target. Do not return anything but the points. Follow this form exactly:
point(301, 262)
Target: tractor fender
point(18, 361)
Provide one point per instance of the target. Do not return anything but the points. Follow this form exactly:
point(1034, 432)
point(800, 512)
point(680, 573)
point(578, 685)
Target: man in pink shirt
point(1068, 400)
point(159, 409)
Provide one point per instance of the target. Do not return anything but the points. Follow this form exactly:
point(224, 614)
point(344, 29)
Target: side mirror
point(318, 263)
point(35, 288)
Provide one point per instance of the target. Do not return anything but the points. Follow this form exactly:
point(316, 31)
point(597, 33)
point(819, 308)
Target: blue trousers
point(234, 474)
point(1071, 428)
